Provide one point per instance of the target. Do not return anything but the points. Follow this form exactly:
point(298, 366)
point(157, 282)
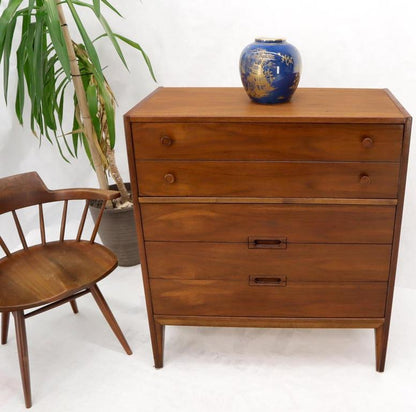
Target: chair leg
point(19, 321)
point(74, 306)
point(5, 316)
point(102, 304)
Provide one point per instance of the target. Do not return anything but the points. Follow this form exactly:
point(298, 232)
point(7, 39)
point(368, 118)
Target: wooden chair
point(51, 273)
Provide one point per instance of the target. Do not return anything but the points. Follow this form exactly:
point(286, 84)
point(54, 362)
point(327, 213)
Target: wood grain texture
point(27, 189)
point(308, 105)
point(268, 200)
point(300, 224)
point(248, 141)
point(396, 242)
point(23, 354)
point(211, 169)
point(235, 261)
point(47, 273)
point(160, 335)
point(297, 299)
point(5, 319)
point(55, 304)
point(51, 273)
point(109, 317)
point(19, 230)
point(154, 328)
point(268, 179)
point(269, 322)
point(74, 306)
point(380, 341)
point(42, 225)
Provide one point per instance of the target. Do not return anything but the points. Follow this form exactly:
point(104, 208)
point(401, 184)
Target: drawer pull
point(267, 243)
point(169, 178)
point(365, 179)
point(367, 142)
point(267, 280)
point(166, 141)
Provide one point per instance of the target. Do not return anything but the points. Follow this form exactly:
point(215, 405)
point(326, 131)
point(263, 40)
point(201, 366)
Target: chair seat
point(47, 273)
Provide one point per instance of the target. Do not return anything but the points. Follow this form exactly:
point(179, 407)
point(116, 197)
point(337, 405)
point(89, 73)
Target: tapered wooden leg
point(19, 321)
point(158, 346)
point(74, 306)
point(5, 317)
point(381, 337)
point(102, 304)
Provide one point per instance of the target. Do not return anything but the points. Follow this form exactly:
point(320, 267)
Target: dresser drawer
point(299, 262)
point(268, 179)
point(297, 299)
point(297, 223)
point(247, 141)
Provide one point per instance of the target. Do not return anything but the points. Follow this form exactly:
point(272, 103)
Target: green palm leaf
point(5, 20)
point(85, 38)
point(43, 71)
point(7, 46)
point(55, 33)
point(136, 46)
point(107, 3)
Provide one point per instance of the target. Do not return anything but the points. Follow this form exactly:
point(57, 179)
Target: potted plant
point(47, 62)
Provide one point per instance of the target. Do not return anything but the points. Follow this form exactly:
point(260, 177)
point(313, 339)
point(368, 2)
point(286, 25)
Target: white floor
point(78, 365)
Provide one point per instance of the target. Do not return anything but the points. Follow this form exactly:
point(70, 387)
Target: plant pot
point(118, 231)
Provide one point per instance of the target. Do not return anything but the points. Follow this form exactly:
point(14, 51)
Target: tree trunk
point(115, 174)
point(82, 101)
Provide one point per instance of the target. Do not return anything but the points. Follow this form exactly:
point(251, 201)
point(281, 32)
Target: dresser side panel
point(155, 329)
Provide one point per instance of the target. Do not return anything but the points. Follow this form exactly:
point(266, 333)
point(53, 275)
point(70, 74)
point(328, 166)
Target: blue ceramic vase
point(270, 70)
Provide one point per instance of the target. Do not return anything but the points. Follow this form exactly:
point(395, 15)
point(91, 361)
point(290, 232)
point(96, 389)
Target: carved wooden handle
point(260, 280)
point(169, 178)
point(365, 179)
point(267, 242)
point(367, 142)
point(166, 141)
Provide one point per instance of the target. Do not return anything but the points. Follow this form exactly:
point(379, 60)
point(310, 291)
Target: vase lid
point(270, 39)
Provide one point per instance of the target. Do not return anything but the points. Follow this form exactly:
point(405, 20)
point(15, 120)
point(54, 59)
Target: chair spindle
point(97, 223)
point(82, 222)
point(4, 247)
point(63, 221)
point(42, 225)
point(19, 230)
point(70, 265)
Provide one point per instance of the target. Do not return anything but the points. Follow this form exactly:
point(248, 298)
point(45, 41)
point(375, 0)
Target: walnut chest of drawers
point(268, 216)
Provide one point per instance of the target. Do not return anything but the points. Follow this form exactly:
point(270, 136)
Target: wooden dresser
point(268, 216)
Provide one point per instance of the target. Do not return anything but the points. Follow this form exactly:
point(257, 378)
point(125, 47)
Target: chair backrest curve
point(26, 189)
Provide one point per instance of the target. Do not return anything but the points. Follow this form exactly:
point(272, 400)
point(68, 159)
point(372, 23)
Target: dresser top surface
point(231, 104)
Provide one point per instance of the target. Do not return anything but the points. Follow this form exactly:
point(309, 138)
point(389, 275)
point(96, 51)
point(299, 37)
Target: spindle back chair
point(51, 273)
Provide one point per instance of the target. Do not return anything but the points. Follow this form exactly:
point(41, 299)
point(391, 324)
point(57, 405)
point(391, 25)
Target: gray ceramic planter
point(118, 232)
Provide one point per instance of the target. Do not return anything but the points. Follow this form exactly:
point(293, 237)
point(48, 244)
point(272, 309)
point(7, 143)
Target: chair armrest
point(87, 194)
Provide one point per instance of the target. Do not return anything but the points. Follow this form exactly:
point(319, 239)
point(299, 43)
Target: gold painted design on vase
point(286, 58)
point(263, 71)
point(260, 76)
point(295, 83)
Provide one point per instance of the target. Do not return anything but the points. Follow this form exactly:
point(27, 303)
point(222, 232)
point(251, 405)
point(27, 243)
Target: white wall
point(367, 43)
